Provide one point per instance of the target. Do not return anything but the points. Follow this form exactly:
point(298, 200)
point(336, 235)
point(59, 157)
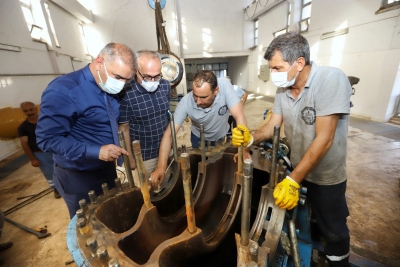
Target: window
point(256, 32)
point(286, 29)
point(83, 39)
point(388, 5)
point(26, 9)
point(53, 31)
point(219, 69)
point(305, 16)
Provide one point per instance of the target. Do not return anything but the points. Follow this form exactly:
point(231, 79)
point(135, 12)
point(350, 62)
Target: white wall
point(205, 29)
point(24, 75)
point(370, 51)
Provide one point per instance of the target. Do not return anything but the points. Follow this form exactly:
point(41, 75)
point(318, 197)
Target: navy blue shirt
point(73, 122)
point(147, 114)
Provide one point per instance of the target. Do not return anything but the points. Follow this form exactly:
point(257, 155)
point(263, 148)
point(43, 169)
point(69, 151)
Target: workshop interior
point(209, 210)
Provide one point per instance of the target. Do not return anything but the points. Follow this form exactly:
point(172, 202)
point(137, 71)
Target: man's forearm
point(28, 151)
point(165, 148)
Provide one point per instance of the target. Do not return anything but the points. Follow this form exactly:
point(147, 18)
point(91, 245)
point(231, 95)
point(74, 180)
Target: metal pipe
point(187, 187)
point(240, 159)
point(92, 196)
point(144, 187)
point(127, 163)
point(106, 191)
point(173, 133)
point(246, 201)
point(84, 206)
point(202, 144)
point(275, 148)
point(118, 184)
point(294, 244)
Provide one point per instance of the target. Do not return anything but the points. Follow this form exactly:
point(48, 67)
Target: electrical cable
point(255, 9)
point(124, 179)
point(263, 5)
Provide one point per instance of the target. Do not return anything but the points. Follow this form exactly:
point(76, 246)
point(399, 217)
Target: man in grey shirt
point(314, 103)
point(209, 104)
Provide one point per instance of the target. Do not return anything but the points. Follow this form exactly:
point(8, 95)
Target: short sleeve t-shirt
point(326, 92)
point(28, 129)
point(213, 118)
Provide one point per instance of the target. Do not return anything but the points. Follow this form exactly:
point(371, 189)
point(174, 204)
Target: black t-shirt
point(28, 129)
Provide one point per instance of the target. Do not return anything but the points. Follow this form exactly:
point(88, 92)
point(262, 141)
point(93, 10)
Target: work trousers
point(329, 209)
point(74, 185)
point(46, 166)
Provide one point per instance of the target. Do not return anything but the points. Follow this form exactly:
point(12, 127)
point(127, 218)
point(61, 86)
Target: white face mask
point(150, 86)
point(112, 85)
point(280, 79)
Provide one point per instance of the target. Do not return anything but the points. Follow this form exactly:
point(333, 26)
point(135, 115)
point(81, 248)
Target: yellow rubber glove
point(286, 193)
point(241, 136)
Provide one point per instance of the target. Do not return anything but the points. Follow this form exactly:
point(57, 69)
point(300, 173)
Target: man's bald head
point(114, 52)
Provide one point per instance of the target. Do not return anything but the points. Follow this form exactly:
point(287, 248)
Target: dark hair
point(291, 45)
point(205, 76)
point(114, 51)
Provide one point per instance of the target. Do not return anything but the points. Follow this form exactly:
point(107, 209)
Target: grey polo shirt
point(327, 92)
point(213, 118)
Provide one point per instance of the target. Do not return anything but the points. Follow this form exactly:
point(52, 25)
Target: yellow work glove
point(286, 193)
point(241, 136)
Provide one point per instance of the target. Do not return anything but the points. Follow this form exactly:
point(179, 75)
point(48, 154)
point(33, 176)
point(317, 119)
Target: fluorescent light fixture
point(10, 48)
point(77, 59)
point(334, 33)
point(36, 32)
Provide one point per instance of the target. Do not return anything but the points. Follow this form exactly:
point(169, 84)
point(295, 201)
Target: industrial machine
point(193, 218)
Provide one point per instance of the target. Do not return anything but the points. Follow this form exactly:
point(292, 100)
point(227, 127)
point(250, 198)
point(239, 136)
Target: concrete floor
point(373, 198)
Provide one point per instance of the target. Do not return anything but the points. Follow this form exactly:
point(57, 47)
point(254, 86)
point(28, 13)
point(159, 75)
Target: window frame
point(305, 20)
point(385, 6)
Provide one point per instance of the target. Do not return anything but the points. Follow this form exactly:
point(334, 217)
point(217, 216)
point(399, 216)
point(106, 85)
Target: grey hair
point(148, 54)
point(114, 51)
point(291, 45)
point(26, 102)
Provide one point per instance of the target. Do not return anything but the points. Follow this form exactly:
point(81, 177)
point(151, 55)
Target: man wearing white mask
point(144, 109)
point(78, 123)
point(314, 103)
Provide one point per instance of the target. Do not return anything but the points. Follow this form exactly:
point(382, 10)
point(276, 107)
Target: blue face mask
point(112, 85)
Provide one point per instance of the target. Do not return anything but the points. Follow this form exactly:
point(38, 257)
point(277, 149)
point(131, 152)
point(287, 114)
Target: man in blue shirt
point(144, 109)
point(209, 104)
point(78, 124)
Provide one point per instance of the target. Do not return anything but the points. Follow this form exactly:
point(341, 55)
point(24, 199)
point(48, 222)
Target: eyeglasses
point(148, 78)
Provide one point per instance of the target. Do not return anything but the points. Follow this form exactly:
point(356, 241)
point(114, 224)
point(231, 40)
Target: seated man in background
point(209, 103)
point(144, 109)
point(78, 123)
point(27, 137)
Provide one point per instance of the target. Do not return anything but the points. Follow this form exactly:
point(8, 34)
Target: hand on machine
point(286, 193)
point(241, 136)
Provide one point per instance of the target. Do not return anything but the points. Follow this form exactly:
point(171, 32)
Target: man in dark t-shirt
point(27, 137)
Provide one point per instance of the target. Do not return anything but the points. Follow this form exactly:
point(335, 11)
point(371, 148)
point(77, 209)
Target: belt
point(75, 170)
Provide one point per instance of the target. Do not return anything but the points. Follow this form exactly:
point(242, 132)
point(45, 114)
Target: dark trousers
point(75, 185)
point(329, 209)
point(232, 124)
